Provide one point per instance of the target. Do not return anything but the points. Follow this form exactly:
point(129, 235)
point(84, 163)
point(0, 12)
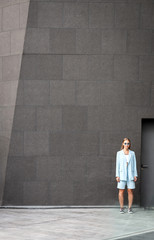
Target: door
point(147, 163)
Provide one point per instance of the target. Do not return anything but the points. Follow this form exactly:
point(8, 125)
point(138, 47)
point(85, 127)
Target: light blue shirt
point(122, 170)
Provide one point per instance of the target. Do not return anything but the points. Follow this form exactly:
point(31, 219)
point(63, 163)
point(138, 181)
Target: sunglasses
point(126, 143)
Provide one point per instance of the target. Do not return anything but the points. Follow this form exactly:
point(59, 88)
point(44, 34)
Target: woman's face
point(126, 144)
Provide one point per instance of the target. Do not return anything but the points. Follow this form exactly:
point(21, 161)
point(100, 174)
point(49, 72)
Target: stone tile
point(6, 118)
point(106, 138)
point(11, 17)
point(63, 41)
point(74, 169)
point(16, 144)
point(21, 169)
point(32, 21)
point(57, 192)
point(146, 68)
point(8, 91)
point(24, 9)
point(127, 15)
point(75, 15)
point(49, 118)
point(104, 1)
point(0, 19)
point(74, 118)
point(24, 118)
point(101, 15)
point(45, 67)
point(62, 92)
point(88, 93)
point(21, 1)
point(139, 41)
point(112, 93)
point(75, 67)
point(94, 117)
point(5, 47)
point(88, 189)
point(100, 67)
point(114, 41)
point(1, 78)
point(50, 14)
point(152, 43)
point(17, 41)
point(36, 40)
point(98, 164)
point(88, 41)
point(11, 67)
point(106, 118)
point(20, 93)
point(5, 3)
point(36, 92)
point(74, 144)
point(138, 95)
point(131, 121)
point(4, 146)
point(147, 10)
point(11, 191)
point(49, 168)
point(39, 195)
point(36, 143)
point(126, 68)
point(152, 97)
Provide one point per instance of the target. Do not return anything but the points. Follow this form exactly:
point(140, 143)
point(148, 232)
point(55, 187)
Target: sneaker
point(122, 210)
point(130, 210)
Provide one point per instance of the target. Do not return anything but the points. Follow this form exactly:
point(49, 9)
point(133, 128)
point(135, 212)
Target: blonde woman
point(126, 173)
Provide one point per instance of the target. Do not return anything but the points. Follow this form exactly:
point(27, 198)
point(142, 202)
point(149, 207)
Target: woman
point(126, 172)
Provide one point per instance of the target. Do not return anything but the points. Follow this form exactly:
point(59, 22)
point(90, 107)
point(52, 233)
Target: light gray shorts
point(122, 184)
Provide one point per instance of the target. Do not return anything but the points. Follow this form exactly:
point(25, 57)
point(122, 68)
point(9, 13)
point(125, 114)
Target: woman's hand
point(118, 179)
point(135, 179)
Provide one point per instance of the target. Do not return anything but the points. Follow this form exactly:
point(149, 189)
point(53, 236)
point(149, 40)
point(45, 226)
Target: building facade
point(85, 81)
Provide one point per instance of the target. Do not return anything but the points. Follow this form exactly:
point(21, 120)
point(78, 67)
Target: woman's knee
point(130, 191)
point(121, 191)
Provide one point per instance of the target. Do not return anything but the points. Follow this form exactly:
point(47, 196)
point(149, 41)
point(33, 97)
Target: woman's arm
point(117, 165)
point(135, 166)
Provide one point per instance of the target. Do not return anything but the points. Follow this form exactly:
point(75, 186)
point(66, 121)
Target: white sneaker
point(122, 210)
point(130, 210)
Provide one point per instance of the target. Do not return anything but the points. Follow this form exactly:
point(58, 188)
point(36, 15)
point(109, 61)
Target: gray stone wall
point(13, 19)
point(86, 81)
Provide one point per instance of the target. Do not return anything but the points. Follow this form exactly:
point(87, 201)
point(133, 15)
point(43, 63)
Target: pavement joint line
point(131, 234)
point(34, 224)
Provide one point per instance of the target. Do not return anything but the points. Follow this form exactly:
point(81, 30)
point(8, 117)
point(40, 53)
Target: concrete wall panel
point(84, 83)
point(13, 19)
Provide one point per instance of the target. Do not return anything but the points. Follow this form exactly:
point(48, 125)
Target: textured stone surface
point(13, 19)
point(84, 83)
point(82, 223)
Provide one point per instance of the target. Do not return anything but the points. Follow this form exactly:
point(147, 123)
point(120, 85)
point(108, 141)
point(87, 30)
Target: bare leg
point(121, 197)
point(130, 197)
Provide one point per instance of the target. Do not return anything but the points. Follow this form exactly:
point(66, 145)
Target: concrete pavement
point(74, 224)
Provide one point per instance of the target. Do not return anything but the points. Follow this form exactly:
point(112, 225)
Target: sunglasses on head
point(126, 143)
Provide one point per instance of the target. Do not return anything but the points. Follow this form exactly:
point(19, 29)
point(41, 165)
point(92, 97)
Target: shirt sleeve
point(117, 165)
point(135, 166)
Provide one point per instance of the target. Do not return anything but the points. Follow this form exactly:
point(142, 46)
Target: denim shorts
point(122, 184)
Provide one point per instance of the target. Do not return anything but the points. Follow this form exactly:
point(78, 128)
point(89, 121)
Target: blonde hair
point(122, 146)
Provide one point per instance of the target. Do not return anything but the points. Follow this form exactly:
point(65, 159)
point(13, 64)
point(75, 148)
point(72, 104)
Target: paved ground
point(145, 236)
point(76, 224)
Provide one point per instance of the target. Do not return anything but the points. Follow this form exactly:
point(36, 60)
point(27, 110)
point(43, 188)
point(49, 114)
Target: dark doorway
point(147, 163)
